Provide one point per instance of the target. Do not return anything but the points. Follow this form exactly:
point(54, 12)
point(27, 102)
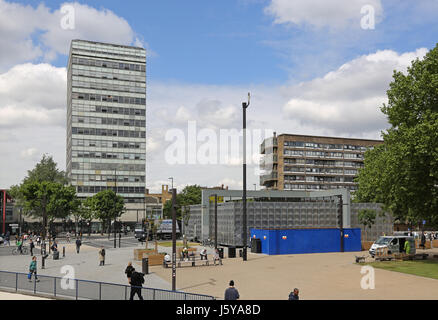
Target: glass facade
point(106, 119)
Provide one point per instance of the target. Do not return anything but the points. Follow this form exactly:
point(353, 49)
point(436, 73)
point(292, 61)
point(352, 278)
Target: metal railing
point(76, 289)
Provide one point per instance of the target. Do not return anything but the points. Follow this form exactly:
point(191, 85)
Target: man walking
point(294, 295)
point(129, 270)
point(102, 256)
point(136, 281)
point(33, 269)
point(78, 244)
point(31, 246)
point(423, 241)
point(231, 293)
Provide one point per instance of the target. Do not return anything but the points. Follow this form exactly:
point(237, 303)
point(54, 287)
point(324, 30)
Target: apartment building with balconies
point(300, 162)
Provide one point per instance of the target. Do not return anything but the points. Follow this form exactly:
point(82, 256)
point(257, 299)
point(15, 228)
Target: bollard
point(145, 265)
point(63, 252)
point(42, 262)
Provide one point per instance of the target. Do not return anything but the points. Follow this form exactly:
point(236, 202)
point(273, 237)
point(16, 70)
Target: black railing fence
point(76, 289)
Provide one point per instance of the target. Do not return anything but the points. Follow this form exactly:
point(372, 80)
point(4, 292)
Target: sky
point(319, 67)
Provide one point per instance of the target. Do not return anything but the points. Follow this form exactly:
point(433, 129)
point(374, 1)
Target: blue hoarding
point(293, 241)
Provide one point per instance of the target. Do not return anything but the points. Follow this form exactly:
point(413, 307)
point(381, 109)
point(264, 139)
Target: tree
point(190, 195)
point(107, 206)
point(367, 217)
point(48, 200)
point(43, 193)
point(402, 174)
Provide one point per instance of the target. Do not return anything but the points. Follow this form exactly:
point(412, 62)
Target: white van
point(395, 244)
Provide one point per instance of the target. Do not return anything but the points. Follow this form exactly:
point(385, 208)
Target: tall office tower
point(106, 119)
point(297, 162)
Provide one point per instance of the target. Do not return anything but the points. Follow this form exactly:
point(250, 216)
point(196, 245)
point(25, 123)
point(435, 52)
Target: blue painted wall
point(293, 241)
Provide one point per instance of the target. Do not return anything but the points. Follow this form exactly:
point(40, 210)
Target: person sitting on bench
point(203, 254)
point(217, 257)
point(166, 260)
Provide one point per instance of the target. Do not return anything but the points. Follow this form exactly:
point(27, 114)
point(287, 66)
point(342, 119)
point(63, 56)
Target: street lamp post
point(215, 221)
point(245, 105)
point(171, 178)
point(115, 186)
point(173, 239)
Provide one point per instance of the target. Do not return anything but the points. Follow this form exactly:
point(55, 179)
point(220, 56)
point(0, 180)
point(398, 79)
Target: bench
point(192, 262)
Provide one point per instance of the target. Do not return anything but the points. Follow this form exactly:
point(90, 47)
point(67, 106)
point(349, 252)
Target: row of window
point(109, 52)
point(301, 144)
point(288, 186)
point(96, 189)
point(108, 155)
point(109, 178)
point(108, 166)
point(109, 87)
point(317, 170)
point(325, 163)
point(107, 75)
point(108, 64)
point(108, 144)
point(109, 132)
point(322, 154)
point(109, 98)
point(110, 121)
point(106, 109)
point(318, 179)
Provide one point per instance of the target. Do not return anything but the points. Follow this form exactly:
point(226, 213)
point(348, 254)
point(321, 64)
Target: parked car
point(395, 244)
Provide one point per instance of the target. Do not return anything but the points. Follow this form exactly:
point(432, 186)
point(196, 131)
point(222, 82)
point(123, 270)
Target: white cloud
point(348, 100)
point(21, 25)
point(33, 95)
point(29, 153)
point(333, 14)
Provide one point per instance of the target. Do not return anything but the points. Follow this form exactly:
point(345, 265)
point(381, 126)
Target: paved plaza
point(318, 276)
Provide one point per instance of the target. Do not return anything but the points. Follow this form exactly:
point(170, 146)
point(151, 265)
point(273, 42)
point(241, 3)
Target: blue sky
point(310, 67)
point(235, 42)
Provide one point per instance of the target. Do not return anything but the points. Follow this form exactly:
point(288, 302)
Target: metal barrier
point(85, 289)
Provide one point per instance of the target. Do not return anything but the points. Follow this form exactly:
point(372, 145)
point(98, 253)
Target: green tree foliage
point(367, 218)
point(106, 205)
point(190, 195)
point(43, 193)
point(402, 174)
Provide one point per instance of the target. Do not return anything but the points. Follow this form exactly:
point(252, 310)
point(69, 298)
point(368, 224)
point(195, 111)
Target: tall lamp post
point(171, 178)
point(245, 105)
point(115, 186)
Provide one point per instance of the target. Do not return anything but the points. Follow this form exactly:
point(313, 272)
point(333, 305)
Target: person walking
point(31, 246)
point(407, 247)
point(33, 269)
point(423, 241)
point(68, 237)
point(231, 293)
point(129, 270)
point(20, 245)
point(7, 238)
point(136, 282)
point(102, 256)
point(78, 244)
point(294, 295)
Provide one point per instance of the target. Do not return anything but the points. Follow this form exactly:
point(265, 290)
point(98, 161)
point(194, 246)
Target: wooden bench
point(192, 263)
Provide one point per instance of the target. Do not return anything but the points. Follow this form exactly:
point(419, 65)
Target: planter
point(155, 259)
point(138, 253)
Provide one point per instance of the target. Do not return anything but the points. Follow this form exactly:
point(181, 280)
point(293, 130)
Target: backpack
point(137, 278)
